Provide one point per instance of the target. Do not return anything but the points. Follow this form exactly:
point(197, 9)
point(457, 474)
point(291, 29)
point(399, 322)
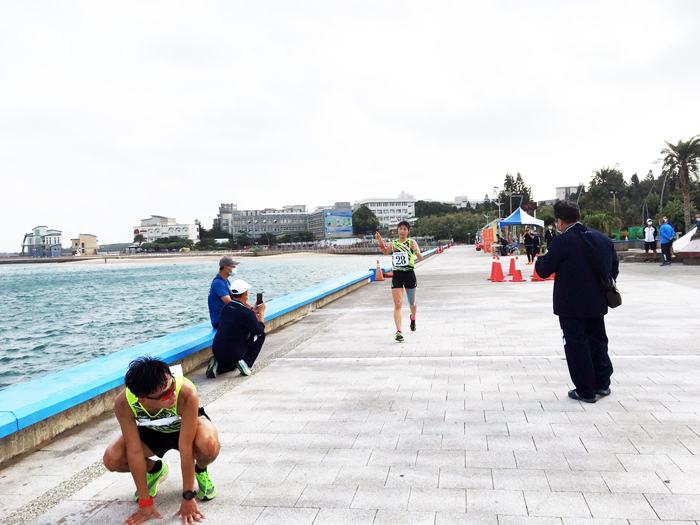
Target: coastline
point(130, 259)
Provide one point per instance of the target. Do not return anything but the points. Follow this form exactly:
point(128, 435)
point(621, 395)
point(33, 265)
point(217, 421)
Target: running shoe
point(243, 367)
point(154, 479)
point(207, 489)
point(212, 367)
point(399, 336)
point(413, 325)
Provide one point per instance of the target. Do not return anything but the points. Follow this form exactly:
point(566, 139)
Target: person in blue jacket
point(220, 289)
point(666, 236)
point(580, 299)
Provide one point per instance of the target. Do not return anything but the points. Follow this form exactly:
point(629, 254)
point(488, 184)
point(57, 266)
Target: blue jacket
point(577, 289)
point(666, 233)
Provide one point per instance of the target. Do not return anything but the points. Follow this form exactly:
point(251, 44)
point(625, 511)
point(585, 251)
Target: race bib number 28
point(400, 259)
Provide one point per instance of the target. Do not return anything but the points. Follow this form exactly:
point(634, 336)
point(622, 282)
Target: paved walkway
point(466, 422)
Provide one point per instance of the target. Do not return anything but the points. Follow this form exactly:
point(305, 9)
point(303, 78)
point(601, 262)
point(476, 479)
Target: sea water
point(53, 316)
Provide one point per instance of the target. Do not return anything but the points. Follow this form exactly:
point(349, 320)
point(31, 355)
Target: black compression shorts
point(161, 442)
point(404, 279)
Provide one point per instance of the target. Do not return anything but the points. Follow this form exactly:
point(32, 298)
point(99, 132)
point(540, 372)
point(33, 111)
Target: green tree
point(601, 220)
point(139, 239)
point(269, 239)
point(683, 159)
point(425, 208)
point(243, 238)
point(513, 194)
point(364, 221)
point(674, 210)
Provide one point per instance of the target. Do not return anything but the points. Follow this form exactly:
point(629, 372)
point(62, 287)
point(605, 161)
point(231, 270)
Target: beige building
point(85, 244)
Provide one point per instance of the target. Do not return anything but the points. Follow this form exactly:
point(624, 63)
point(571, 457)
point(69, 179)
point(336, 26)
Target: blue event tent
point(519, 217)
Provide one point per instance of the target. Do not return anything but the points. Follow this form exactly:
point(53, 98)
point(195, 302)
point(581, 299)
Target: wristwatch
point(189, 494)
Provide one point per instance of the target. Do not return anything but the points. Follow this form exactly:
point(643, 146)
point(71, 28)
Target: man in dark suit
point(579, 299)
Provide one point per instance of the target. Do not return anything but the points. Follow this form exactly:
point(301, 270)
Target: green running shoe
point(413, 325)
point(154, 479)
point(243, 367)
point(207, 489)
point(212, 367)
point(399, 336)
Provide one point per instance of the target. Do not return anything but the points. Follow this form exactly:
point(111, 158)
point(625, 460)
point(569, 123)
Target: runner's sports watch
point(189, 494)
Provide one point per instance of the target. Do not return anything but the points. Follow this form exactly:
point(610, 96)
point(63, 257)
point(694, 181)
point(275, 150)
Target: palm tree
point(139, 239)
point(683, 158)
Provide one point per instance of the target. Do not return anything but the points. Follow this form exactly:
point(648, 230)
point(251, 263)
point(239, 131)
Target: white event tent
point(520, 217)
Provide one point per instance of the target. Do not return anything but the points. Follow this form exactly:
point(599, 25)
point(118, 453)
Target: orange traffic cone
point(511, 270)
point(517, 275)
point(536, 277)
point(496, 271)
point(550, 278)
point(378, 275)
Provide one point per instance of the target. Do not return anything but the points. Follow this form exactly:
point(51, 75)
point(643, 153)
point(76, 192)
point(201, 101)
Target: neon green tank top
point(402, 256)
point(166, 420)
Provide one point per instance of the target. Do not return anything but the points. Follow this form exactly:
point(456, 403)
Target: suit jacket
point(577, 288)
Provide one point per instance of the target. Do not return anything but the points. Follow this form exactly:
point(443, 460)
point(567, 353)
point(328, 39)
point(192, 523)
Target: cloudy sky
point(113, 111)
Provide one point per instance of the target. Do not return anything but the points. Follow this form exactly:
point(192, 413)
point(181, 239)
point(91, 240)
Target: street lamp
point(613, 194)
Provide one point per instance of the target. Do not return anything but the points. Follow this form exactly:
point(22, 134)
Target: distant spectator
point(220, 289)
point(240, 336)
point(529, 241)
point(536, 242)
point(666, 236)
point(549, 235)
point(674, 235)
point(650, 240)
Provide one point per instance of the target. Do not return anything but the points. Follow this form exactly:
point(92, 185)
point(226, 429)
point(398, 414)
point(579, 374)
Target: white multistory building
point(390, 210)
point(158, 227)
point(42, 242)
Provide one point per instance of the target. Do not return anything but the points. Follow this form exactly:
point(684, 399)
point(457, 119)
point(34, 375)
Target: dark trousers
point(666, 251)
point(586, 348)
point(249, 352)
point(530, 253)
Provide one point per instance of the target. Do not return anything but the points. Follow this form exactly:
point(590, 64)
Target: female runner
point(403, 251)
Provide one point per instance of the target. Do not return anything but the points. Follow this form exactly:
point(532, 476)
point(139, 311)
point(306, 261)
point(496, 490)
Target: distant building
point(387, 210)
point(331, 222)
point(158, 227)
point(463, 201)
point(85, 244)
point(565, 192)
point(42, 242)
point(290, 219)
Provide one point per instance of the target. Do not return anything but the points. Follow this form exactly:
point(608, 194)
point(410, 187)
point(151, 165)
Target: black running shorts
point(161, 442)
point(650, 245)
point(404, 279)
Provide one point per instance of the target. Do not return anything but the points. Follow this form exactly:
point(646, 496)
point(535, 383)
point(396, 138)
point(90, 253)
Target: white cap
point(239, 286)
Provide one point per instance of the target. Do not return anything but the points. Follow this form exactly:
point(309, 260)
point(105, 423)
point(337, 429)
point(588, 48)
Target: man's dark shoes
point(212, 368)
point(603, 392)
point(574, 395)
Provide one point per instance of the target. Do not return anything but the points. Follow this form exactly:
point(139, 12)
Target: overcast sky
point(113, 111)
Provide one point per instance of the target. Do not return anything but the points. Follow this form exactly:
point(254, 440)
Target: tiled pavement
point(466, 422)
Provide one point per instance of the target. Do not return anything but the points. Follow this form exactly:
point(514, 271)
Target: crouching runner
point(158, 412)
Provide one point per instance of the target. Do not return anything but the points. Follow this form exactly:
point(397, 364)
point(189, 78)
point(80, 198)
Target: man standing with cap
point(220, 290)
point(649, 240)
point(241, 333)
